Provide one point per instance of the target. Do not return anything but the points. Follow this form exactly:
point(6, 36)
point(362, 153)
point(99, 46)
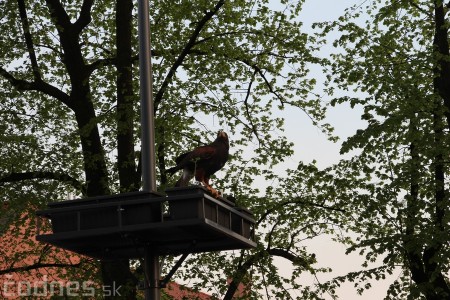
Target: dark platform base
point(188, 220)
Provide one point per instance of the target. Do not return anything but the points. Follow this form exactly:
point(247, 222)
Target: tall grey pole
point(152, 275)
point(147, 122)
point(151, 259)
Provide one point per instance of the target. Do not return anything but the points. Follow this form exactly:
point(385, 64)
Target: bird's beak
point(221, 133)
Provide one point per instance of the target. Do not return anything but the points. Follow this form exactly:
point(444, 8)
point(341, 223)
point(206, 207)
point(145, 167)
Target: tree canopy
point(392, 60)
point(70, 108)
point(70, 128)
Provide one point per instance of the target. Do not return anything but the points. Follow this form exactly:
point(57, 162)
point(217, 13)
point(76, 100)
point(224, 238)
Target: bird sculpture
point(202, 162)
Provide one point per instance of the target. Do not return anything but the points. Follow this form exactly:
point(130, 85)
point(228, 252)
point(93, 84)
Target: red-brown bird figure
point(203, 162)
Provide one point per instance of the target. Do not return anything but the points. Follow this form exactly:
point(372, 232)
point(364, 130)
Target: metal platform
point(188, 220)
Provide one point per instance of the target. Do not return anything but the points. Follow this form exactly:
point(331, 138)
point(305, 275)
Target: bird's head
point(222, 136)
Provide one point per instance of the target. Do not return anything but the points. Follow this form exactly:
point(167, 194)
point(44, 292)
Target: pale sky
point(311, 144)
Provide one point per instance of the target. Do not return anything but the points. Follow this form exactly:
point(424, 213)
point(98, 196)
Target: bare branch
point(58, 14)
point(253, 126)
point(296, 201)
point(28, 39)
point(38, 265)
point(85, 16)
point(186, 50)
point(40, 86)
point(15, 177)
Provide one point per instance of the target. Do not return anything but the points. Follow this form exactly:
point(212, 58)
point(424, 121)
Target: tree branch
point(240, 273)
point(40, 86)
point(296, 201)
point(186, 50)
point(28, 39)
point(38, 266)
point(294, 259)
point(99, 63)
point(243, 268)
point(112, 61)
point(58, 14)
point(85, 16)
point(247, 96)
point(15, 177)
point(263, 76)
point(427, 13)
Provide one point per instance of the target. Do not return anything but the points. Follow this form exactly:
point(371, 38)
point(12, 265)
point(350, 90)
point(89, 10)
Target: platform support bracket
point(163, 283)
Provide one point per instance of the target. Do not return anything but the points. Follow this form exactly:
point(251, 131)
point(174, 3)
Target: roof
point(20, 252)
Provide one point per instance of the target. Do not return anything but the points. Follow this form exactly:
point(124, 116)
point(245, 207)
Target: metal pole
point(152, 275)
point(147, 122)
point(151, 259)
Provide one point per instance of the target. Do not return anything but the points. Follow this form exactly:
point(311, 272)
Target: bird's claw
point(215, 193)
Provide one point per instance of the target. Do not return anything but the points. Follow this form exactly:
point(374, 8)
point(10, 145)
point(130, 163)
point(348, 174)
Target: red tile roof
point(20, 249)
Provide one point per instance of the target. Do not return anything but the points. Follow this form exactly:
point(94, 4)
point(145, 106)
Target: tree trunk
point(128, 178)
point(441, 56)
point(117, 274)
point(114, 274)
point(426, 269)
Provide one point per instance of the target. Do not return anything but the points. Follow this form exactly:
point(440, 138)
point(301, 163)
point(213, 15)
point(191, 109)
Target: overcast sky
point(311, 144)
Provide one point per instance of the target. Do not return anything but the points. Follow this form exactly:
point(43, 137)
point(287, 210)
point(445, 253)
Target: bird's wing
point(200, 153)
point(180, 158)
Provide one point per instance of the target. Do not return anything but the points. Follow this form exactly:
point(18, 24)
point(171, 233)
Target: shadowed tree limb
point(45, 175)
point(58, 14)
point(40, 86)
point(244, 267)
point(38, 266)
point(442, 54)
point(85, 16)
point(125, 115)
point(28, 39)
point(296, 201)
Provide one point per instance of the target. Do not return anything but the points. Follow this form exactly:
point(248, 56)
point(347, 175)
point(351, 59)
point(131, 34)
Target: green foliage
point(386, 62)
point(63, 98)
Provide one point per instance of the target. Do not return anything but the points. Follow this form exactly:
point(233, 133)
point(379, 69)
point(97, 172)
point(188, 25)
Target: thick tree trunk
point(413, 253)
point(441, 56)
point(441, 82)
point(118, 281)
point(128, 178)
point(116, 275)
point(93, 153)
point(425, 268)
point(432, 255)
point(423, 262)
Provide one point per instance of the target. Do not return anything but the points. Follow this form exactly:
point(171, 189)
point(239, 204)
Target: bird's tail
point(172, 170)
point(185, 178)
